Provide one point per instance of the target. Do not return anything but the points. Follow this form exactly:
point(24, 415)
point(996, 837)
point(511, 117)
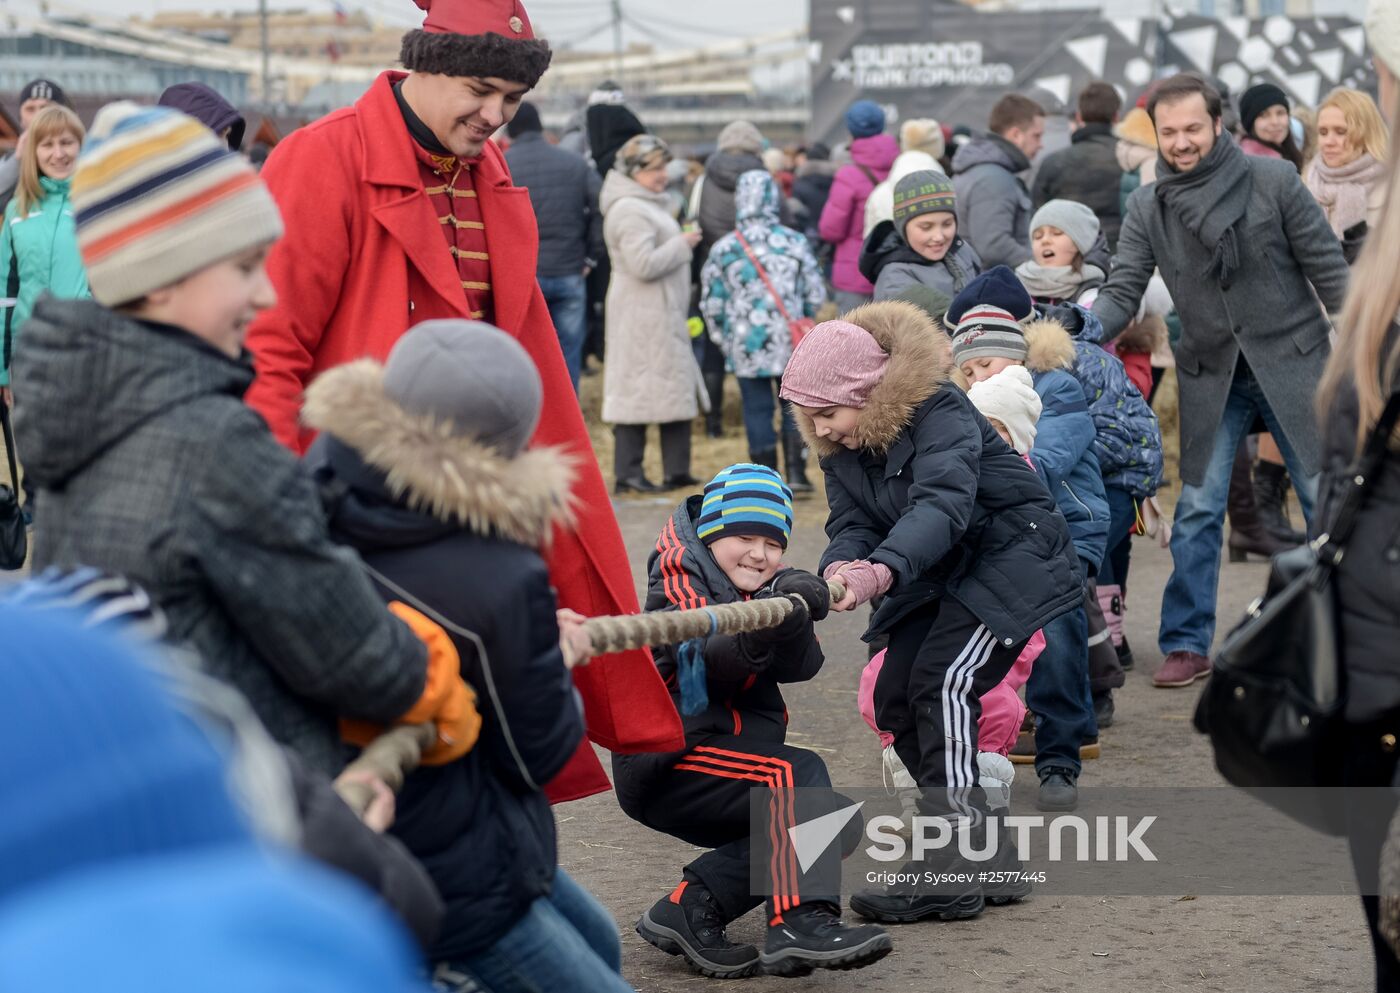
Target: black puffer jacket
point(481, 825)
point(1369, 573)
point(936, 495)
point(1086, 172)
point(742, 674)
point(564, 193)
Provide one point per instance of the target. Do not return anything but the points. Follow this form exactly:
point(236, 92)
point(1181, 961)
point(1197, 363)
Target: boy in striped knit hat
point(726, 546)
point(149, 464)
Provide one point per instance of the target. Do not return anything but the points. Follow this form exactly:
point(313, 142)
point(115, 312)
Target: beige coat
point(649, 370)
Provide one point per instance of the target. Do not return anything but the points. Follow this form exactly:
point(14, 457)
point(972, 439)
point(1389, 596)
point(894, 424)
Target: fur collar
point(920, 364)
point(443, 474)
point(1050, 344)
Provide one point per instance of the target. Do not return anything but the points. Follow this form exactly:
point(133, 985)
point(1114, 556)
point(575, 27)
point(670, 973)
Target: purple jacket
point(844, 214)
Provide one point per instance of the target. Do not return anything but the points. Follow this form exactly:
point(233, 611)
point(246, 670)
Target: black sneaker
point(688, 923)
point(1059, 789)
point(908, 903)
point(1103, 709)
point(1125, 656)
point(1011, 884)
point(811, 936)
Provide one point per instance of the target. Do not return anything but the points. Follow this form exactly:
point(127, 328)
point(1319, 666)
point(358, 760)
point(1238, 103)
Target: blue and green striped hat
point(746, 499)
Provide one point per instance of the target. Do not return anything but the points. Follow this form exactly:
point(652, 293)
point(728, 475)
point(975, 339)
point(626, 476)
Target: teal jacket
point(43, 248)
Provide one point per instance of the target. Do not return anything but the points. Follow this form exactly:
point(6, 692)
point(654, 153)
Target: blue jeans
point(1188, 602)
point(565, 941)
point(760, 396)
point(567, 299)
point(1122, 516)
point(1058, 693)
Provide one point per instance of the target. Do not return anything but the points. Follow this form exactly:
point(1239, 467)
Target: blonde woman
point(1348, 176)
point(1363, 371)
point(38, 242)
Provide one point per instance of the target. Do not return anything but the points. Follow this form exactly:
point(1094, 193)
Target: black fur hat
point(476, 38)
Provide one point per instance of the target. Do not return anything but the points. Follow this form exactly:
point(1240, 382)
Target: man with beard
point(398, 210)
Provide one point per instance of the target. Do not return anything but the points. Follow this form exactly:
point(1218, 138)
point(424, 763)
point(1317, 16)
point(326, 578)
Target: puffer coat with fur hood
point(457, 529)
point(936, 495)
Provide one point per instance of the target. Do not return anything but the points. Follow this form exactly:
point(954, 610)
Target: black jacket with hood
point(742, 674)
point(150, 465)
point(936, 495)
point(462, 538)
point(205, 105)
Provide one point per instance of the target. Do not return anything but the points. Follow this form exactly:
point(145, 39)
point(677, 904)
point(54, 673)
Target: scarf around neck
point(1057, 282)
point(1210, 201)
point(1345, 192)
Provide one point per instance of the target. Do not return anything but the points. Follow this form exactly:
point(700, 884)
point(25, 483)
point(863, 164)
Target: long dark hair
point(1288, 148)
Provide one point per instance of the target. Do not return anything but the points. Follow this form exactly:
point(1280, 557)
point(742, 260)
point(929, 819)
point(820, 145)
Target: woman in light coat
point(1348, 177)
point(649, 370)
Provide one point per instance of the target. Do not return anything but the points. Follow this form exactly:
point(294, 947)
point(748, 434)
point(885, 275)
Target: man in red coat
point(399, 210)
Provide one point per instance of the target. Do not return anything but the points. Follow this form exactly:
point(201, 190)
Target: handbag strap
point(1331, 546)
point(763, 276)
point(10, 447)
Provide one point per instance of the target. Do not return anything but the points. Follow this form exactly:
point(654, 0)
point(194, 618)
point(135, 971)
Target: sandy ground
point(1047, 943)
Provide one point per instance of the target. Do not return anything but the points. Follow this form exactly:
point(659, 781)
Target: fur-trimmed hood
point(1050, 344)
point(921, 358)
point(452, 478)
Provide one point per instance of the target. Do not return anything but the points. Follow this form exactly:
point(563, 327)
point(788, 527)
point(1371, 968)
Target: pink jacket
point(843, 217)
point(1002, 709)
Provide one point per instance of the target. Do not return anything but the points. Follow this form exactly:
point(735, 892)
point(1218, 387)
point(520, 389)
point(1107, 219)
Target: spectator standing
point(1088, 171)
point(649, 372)
point(811, 185)
point(1348, 177)
point(843, 218)
point(1137, 154)
point(1360, 377)
point(994, 206)
point(564, 194)
point(757, 279)
point(921, 148)
point(206, 106)
point(1264, 117)
point(1254, 338)
point(39, 241)
point(36, 95)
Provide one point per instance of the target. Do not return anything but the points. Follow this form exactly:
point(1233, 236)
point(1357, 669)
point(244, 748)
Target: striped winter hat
point(922, 192)
point(157, 197)
point(746, 499)
point(988, 332)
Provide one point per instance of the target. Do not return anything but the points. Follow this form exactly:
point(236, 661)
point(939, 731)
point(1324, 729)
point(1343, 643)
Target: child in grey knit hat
point(1069, 257)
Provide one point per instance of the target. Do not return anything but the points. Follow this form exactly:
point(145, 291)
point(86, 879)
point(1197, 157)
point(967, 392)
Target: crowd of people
point(285, 496)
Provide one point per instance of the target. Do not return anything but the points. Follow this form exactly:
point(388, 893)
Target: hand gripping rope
point(397, 752)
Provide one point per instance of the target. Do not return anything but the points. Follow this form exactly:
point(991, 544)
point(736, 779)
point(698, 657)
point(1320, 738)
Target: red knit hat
point(476, 38)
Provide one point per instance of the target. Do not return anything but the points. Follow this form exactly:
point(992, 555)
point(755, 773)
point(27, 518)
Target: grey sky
point(566, 23)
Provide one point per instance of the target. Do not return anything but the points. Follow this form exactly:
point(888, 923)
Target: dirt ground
point(1048, 944)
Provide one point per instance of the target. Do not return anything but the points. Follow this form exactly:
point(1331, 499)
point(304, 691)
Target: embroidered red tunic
point(448, 182)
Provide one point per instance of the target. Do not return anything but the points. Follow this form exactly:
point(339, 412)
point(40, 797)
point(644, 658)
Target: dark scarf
point(1210, 201)
point(421, 132)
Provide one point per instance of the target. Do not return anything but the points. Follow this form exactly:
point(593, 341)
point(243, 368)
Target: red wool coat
point(362, 260)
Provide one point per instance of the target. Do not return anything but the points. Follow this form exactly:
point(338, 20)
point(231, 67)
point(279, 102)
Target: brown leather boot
point(1247, 533)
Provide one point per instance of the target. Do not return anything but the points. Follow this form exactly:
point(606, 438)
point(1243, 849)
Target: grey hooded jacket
point(994, 206)
point(149, 464)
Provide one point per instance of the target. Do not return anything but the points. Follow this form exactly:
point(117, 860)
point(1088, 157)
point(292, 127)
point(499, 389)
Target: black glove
point(1067, 314)
point(1353, 240)
point(812, 589)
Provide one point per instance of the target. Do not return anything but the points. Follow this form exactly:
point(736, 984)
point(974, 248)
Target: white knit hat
point(1383, 32)
point(1010, 397)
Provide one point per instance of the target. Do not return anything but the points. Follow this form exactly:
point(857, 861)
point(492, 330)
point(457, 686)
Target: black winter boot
point(689, 923)
point(714, 417)
point(1271, 487)
point(1247, 534)
point(811, 936)
point(795, 464)
point(768, 457)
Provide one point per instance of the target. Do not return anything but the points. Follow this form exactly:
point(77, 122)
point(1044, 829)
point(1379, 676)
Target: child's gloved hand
point(813, 591)
point(863, 580)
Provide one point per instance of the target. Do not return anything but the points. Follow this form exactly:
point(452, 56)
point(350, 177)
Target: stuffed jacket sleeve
point(942, 496)
point(632, 245)
point(308, 278)
point(332, 834)
point(259, 533)
point(1313, 244)
point(835, 222)
point(851, 532)
point(714, 295)
point(991, 222)
point(531, 719)
point(894, 279)
point(1064, 432)
point(1116, 306)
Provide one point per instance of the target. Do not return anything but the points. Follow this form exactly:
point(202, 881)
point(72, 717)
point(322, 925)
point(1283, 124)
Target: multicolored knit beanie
point(746, 499)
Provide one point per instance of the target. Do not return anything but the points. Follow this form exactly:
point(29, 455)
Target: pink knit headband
point(837, 364)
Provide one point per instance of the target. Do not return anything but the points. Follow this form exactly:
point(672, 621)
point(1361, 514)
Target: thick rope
point(1389, 922)
point(671, 627)
point(397, 752)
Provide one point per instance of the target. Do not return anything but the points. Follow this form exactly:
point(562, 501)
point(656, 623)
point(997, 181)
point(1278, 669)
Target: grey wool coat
point(1291, 267)
point(149, 464)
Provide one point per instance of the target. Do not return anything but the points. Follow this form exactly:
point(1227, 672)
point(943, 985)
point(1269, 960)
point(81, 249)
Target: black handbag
point(1273, 706)
point(14, 541)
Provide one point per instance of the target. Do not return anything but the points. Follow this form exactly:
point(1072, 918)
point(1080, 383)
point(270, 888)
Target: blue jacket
point(934, 494)
point(1063, 452)
point(1128, 442)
